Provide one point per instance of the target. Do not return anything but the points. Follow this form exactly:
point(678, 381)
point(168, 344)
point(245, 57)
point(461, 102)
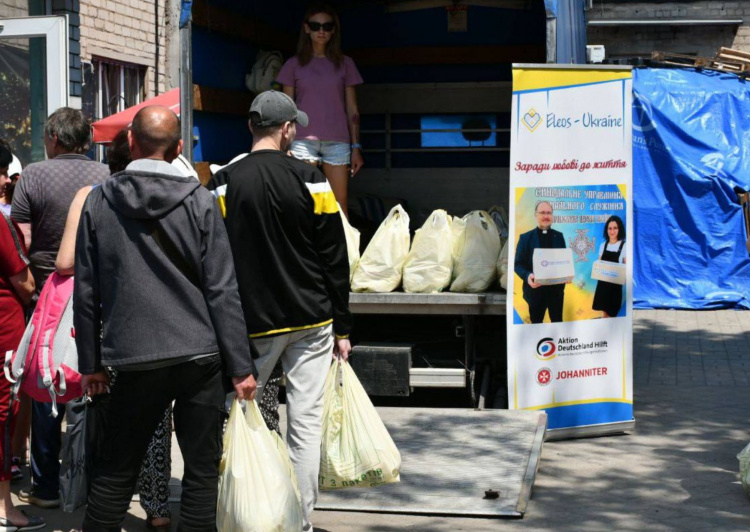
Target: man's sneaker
point(27, 495)
point(15, 470)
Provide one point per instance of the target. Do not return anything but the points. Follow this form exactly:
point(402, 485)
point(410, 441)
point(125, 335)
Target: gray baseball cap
point(272, 108)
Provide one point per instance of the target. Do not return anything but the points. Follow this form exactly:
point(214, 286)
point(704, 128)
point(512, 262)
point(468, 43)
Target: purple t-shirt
point(320, 91)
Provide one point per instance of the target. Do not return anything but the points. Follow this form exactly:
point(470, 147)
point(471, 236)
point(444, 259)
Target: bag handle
point(6, 366)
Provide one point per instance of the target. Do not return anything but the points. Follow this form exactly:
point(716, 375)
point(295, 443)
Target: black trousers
point(546, 298)
point(137, 405)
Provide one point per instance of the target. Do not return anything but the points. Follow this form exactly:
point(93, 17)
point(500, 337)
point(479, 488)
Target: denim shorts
point(322, 151)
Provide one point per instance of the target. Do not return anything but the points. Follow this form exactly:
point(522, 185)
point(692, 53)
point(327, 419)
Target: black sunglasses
point(327, 27)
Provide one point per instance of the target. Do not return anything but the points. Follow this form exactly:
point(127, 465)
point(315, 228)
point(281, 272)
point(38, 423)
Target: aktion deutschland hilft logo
point(546, 349)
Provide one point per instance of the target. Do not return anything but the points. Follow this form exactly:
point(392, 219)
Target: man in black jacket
point(540, 298)
point(150, 267)
point(292, 267)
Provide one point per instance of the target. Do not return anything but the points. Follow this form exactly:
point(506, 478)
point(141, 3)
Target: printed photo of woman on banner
point(570, 253)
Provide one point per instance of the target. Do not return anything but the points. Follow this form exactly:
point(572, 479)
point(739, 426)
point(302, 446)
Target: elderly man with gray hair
point(40, 206)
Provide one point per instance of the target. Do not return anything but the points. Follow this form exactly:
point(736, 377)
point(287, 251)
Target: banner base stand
point(590, 431)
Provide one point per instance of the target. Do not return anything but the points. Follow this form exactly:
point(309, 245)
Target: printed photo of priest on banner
point(569, 261)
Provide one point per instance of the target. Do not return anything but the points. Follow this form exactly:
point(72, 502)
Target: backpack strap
point(47, 374)
point(6, 367)
point(14, 366)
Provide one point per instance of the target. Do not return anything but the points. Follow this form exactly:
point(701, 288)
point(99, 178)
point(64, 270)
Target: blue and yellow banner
point(570, 331)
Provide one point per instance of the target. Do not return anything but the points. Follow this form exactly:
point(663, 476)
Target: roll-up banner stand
point(570, 314)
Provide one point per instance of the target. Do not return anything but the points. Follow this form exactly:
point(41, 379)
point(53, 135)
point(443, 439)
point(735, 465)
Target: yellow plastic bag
point(428, 265)
point(475, 253)
point(352, 244)
point(357, 450)
point(382, 263)
point(744, 458)
point(257, 490)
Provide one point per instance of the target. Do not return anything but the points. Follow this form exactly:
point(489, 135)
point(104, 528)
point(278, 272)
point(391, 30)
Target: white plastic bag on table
point(475, 254)
point(428, 265)
point(352, 244)
point(382, 263)
point(502, 265)
point(744, 458)
point(500, 217)
point(256, 486)
point(357, 450)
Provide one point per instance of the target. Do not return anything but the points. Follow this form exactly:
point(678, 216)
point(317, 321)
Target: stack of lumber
point(726, 60)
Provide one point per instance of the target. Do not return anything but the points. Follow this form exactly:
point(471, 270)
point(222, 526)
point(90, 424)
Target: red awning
point(106, 129)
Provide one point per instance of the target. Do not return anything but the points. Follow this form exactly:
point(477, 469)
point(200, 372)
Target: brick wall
point(124, 30)
point(14, 8)
point(627, 41)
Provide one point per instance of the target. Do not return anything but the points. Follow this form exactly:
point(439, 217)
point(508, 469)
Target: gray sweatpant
point(306, 357)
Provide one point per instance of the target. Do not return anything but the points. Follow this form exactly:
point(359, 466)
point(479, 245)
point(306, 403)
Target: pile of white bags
point(257, 486)
point(382, 263)
point(500, 217)
point(502, 266)
point(357, 450)
point(476, 247)
point(744, 458)
point(352, 244)
point(428, 265)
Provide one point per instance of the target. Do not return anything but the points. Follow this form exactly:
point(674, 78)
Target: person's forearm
point(66, 253)
point(354, 128)
point(24, 286)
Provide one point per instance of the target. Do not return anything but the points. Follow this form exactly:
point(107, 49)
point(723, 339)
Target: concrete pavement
point(676, 472)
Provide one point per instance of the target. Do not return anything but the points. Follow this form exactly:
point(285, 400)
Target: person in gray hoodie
point(156, 299)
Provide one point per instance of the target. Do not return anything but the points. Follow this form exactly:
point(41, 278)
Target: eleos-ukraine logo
point(546, 349)
point(531, 120)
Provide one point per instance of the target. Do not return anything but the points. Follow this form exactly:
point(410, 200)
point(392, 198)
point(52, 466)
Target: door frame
point(55, 31)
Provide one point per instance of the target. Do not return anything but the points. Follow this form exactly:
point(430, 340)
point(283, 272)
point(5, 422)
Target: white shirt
point(612, 247)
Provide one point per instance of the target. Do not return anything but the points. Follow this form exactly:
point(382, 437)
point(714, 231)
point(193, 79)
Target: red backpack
point(45, 365)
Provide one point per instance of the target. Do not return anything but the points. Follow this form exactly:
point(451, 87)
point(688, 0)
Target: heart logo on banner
point(532, 119)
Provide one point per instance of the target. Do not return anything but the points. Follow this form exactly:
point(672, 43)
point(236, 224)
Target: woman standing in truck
point(321, 80)
point(608, 296)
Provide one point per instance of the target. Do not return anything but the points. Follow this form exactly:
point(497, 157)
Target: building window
point(120, 85)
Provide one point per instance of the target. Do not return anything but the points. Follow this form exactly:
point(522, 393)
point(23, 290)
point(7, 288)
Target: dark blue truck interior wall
point(570, 23)
point(496, 37)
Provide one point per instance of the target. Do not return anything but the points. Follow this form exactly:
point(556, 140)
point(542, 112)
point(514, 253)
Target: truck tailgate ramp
point(449, 459)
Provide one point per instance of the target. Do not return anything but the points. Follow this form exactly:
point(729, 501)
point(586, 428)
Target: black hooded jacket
point(151, 267)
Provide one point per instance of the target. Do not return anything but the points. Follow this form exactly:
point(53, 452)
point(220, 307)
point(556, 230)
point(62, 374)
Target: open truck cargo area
point(435, 117)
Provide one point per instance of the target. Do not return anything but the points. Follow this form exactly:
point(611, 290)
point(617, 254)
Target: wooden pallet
point(724, 64)
point(734, 60)
point(668, 58)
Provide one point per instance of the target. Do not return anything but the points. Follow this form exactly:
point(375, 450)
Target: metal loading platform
point(450, 458)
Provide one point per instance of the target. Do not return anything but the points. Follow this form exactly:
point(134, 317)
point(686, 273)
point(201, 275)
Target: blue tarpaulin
point(186, 7)
point(691, 148)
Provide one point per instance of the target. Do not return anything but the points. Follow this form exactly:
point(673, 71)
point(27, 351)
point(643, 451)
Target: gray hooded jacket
point(151, 267)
